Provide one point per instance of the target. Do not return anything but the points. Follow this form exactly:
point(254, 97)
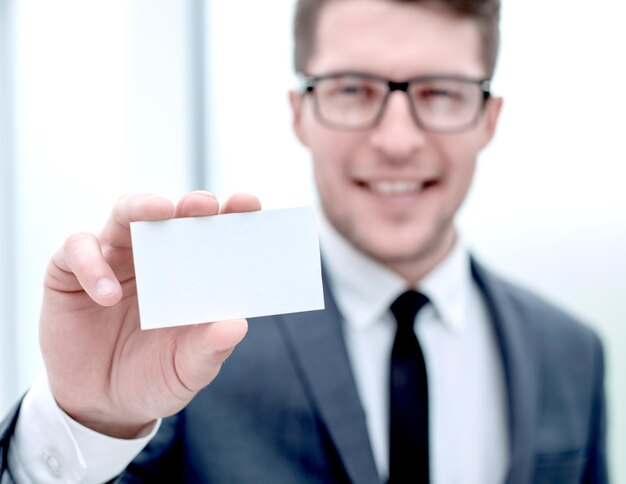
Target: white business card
point(202, 269)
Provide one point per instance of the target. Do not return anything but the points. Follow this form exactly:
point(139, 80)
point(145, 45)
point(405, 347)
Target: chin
point(404, 254)
point(392, 251)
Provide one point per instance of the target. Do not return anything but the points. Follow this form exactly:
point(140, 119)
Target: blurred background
point(102, 97)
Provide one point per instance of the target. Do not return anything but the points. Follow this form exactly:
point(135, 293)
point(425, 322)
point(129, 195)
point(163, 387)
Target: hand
point(103, 370)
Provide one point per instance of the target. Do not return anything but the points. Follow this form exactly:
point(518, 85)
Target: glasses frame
point(309, 83)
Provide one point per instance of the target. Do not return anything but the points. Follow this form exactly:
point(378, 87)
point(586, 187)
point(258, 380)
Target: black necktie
point(408, 403)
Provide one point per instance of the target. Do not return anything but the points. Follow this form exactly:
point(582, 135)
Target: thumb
point(202, 350)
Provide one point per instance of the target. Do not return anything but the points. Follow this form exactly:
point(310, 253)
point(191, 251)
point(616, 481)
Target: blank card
point(202, 269)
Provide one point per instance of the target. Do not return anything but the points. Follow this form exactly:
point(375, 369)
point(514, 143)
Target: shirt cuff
point(49, 445)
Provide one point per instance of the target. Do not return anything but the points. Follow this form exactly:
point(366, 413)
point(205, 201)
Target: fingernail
point(105, 286)
point(203, 193)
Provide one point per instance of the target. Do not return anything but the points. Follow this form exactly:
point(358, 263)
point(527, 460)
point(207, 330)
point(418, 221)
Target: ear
point(491, 116)
point(295, 101)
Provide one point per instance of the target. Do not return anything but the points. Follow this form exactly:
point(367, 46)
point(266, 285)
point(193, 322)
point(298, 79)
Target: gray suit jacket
point(285, 408)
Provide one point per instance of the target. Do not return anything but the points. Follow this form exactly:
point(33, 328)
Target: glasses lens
point(349, 101)
point(446, 104)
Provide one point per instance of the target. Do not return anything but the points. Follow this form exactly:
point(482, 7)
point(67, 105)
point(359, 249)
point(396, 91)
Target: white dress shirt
point(467, 398)
point(466, 388)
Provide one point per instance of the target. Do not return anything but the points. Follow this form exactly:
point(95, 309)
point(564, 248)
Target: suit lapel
point(317, 345)
point(518, 365)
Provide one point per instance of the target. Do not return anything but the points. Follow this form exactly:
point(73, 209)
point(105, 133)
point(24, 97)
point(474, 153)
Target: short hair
point(486, 14)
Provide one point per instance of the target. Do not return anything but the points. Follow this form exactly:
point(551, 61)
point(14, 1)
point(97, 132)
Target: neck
point(414, 269)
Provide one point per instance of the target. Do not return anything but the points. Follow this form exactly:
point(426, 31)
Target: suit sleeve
point(7, 427)
point(596, 470)
point(162, 459)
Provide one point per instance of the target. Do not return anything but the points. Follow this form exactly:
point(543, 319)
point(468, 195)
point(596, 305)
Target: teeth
point(395, 187)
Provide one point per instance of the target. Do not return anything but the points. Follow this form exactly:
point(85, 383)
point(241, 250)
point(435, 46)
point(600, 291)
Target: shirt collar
point(364, 289)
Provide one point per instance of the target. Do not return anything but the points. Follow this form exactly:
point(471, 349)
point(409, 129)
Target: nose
point(397, 137)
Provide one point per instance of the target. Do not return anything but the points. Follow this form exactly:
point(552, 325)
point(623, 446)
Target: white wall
point(7, 267)
point(250, 147)
point(102, 108)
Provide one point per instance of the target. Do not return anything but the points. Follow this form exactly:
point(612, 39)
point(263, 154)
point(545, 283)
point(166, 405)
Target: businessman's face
point(393, 189)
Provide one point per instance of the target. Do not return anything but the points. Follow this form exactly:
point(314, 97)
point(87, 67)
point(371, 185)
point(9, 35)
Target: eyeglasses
point(356, 101)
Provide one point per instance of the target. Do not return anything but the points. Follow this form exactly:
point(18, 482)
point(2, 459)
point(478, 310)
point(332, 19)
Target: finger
point(241, 202)
point(197, 204)
point(80, 264)
point(133, 208)
point(202, 350)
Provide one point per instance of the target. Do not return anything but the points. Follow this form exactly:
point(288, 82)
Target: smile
point(397, 187)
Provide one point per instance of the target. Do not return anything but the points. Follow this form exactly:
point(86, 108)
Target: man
point(501, 387)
